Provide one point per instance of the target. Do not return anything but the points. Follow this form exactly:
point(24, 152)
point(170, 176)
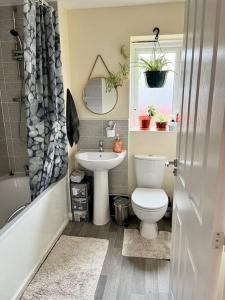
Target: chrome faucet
point(101, 148)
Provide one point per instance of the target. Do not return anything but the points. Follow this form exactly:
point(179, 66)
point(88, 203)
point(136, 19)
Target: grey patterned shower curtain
point(45, 109)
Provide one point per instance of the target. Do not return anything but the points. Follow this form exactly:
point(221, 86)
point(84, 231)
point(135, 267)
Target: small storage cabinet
point(82, 199)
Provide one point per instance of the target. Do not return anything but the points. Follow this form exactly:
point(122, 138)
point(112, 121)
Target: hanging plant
point(155, 69)
point(116, 79)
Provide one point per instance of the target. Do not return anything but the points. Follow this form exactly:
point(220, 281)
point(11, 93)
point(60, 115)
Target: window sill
point(152, 130)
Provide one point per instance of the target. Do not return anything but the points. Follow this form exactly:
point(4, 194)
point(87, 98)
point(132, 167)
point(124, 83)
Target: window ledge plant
point(161, 123)
point(145, 121)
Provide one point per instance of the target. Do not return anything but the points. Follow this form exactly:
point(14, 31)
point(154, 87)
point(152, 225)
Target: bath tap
point(101, 148)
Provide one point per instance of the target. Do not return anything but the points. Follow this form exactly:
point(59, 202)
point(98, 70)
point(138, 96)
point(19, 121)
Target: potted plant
point(161, 123)
point(145, 121)
point(155, 70)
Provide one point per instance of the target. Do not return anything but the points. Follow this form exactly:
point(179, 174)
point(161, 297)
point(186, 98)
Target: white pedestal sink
point(100, 163)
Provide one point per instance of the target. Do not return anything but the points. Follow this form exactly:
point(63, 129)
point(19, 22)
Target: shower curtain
point(45, 110)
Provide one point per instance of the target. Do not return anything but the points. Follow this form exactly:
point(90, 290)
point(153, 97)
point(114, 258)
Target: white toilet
point(149, 201)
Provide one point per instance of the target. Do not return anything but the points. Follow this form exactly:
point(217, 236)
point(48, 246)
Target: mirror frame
point(117, 96)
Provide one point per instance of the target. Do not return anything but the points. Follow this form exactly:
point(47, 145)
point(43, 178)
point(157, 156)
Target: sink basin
point(96, 161)
point(100, 163)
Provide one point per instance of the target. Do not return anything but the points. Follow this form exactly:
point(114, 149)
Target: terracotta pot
point(161, 126)
point(145, 122)
point(155, 79)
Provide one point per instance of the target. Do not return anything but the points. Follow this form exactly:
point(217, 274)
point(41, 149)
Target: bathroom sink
point(96, 161)
point(100, 163)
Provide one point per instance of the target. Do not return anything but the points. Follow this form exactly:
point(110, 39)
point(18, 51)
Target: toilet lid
point(149, 198)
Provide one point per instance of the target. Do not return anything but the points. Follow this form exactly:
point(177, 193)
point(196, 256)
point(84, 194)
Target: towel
point(72, 120)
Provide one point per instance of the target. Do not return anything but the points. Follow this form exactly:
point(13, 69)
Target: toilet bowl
point(149, 205)
point(149, 200)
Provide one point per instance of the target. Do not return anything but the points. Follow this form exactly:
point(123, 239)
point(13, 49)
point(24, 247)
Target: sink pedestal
point(101, 198)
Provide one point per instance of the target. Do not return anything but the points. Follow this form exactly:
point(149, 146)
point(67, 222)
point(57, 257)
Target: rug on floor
point(70, 272)
point(135, 245)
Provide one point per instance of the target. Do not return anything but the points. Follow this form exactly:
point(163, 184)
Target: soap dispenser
point(117, 144)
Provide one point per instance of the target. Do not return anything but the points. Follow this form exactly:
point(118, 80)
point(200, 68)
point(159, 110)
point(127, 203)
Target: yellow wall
point(66, 68)
point(103, 31)
point(162, 143)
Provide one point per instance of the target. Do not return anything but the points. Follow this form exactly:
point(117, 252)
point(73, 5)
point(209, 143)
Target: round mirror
point(97, 98)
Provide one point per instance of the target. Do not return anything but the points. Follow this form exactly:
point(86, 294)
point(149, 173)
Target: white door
point(199, 195)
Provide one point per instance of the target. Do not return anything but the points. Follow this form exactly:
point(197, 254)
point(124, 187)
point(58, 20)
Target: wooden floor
point(125, 278)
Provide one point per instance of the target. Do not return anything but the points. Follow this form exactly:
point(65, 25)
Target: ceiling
point(76, 4)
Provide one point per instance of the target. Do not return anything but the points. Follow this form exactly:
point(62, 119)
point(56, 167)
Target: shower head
point(15, 33)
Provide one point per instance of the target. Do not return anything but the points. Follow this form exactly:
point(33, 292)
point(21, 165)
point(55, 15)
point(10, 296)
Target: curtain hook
point(156, 30)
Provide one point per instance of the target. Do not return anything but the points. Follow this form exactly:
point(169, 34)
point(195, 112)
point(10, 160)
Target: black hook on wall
point(156, 30)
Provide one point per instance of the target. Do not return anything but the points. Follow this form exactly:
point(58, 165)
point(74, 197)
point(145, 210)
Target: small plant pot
point(161, 126)
point(155, 79)
point(145, 122)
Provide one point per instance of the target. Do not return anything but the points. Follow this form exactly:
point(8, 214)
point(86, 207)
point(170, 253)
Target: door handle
point(173, 163)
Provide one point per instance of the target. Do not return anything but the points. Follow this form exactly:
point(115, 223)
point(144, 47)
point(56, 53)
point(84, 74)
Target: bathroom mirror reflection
point(97, 98)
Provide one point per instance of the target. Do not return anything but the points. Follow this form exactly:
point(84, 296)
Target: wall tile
point(6, 12)
point(3, 147)
point(7, 50)
point(5, 27)
point(19, 148)
point(4, 165)
point(15, 126)
point(11, 73)
point(90, 128)
point(13, 90)
point(10, 87)
point(2, 131)
point(88, 142)
point(10, 147)
point(3, 95)
point(14, 112)
point(1, 71)
point(12, 163)
point(20, 162)
point(8, 133)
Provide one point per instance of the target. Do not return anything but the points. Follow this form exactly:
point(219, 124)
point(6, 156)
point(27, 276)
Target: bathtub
point(26, 240)
point(14, 194)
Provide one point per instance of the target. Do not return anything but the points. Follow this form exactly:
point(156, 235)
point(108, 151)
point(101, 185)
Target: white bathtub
point(27, 239)
point(14, 193)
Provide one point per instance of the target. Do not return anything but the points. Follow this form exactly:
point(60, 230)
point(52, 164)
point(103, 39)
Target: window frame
point(137, 45)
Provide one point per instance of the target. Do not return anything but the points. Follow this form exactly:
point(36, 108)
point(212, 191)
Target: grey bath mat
point(135, 245)
point(70, 272)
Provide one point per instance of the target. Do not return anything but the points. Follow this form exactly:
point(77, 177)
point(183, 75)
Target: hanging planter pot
point(157, 67)
point(155, 79)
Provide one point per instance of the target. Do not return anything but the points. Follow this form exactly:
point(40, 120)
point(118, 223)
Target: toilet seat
point(149, 199)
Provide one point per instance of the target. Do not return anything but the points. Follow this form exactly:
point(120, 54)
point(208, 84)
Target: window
point(164, 99)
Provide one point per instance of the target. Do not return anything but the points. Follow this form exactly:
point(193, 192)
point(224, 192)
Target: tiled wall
point(91, 131)
point(11, 145)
